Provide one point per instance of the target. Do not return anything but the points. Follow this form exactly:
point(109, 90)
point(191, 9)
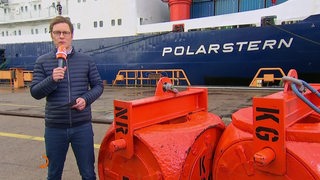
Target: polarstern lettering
point(228, 47)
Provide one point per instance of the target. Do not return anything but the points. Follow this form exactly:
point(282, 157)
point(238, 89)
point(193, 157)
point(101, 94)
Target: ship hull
point(212, 57)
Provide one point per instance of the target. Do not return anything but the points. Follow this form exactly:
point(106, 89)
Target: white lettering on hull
point(227, 47)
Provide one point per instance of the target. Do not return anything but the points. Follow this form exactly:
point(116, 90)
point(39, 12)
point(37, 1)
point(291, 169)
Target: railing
point(150, 77)
point(7, 75)
point(267, 76)
point(16, 77)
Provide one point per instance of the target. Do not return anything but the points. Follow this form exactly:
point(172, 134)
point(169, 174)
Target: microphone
point(61, 56)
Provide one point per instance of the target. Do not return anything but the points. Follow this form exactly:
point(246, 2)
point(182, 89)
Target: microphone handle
point(61, 62)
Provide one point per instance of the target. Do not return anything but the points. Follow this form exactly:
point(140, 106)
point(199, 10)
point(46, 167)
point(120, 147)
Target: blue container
point(233, 6)
point(226, 6)
point(247, 5)
point(196, 1)
point(202, 8)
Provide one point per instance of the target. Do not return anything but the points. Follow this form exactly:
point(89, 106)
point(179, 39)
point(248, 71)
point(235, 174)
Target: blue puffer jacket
point(81, 79)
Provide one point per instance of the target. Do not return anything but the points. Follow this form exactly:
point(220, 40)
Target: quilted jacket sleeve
point(42, 84)
point(95, 83)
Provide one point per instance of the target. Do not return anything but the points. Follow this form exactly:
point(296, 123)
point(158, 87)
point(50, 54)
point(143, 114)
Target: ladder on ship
point(149, 77)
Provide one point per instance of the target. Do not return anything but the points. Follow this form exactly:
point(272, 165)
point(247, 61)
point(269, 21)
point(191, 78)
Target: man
point(69, 92)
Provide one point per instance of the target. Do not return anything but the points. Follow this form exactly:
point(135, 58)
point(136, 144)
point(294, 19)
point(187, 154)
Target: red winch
point(168, 136)
point(277, 138)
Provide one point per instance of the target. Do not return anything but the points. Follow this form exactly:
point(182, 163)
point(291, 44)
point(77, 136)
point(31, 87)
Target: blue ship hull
point(212, 57)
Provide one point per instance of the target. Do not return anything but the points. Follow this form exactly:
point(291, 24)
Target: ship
point(215, 42)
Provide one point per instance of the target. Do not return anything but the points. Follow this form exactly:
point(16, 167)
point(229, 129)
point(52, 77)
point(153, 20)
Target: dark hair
point(61, 19)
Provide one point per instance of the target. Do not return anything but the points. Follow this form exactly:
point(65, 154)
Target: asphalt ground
point(22, 125)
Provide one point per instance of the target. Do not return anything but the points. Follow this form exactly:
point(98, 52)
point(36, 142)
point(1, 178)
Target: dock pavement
point(222, 101)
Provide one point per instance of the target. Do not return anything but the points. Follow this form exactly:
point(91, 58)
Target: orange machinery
point(172, 136)
point(277, 138)
point(168, 136)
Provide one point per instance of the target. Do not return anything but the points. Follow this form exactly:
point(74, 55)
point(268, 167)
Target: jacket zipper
point(69, 91)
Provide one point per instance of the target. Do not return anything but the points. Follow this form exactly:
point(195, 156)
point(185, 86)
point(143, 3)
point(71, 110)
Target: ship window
point(2, 33)
point(5, 10)
point(21, 8)
point(79, 1)
point(39, 6)
point(113, 22)
point(7, 33)
point(26, 8)
point(37, 32)
point(35, 7)
point(95, 24)
point(32, 31)
point(78, 25)
point(15, 33)
point(119, 22)
point(101, 23)
point(45, 30)
point(83, 0)
point(19, 32)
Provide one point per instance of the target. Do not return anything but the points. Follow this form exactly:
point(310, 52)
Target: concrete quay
point(222, 101)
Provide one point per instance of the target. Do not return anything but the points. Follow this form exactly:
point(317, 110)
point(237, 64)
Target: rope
point(297, 35)
point(298, 92)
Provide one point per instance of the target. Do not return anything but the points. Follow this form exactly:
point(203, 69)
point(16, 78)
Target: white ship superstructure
point(28, 20)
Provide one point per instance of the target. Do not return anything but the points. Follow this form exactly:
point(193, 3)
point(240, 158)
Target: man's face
point(61, 35)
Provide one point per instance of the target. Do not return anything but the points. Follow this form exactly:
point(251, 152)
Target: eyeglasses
point(58, 33)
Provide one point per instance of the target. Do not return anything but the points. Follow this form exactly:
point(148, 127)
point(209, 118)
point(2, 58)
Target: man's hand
point(58, 73)
point(80, 104)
